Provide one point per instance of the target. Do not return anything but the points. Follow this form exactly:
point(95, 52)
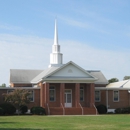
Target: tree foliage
point(126, 77)
point(18, 98)
point(3, 85)
point(112, 80)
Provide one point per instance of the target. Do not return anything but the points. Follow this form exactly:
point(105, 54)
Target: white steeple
point(55, 56)
point(56, 34)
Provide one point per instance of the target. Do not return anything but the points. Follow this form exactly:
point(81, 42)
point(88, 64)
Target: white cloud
point(8, 27)
point(27, 52)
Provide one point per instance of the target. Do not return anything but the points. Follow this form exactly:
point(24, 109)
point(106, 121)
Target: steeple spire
point(55, 56)
point(56, 34)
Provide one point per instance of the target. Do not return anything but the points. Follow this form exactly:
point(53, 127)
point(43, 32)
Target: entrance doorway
point(68, 98)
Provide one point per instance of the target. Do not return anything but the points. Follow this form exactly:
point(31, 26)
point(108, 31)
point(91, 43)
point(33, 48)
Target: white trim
point(33, 96)
point(68, 81)
point(83, 93)
point(63, 109)
point(70, 62)
point(95, 109)
point(104, 88)
point(54, 93)
point(71, 96)
point(81, 108)
point(113, 95)
point(99, 96)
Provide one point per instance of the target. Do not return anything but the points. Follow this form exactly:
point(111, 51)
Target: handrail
point(63, 109)
point(81, 109)
point(48, 109)
point(95, 108)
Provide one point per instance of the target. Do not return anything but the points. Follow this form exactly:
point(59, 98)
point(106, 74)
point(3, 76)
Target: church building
point(62, 89)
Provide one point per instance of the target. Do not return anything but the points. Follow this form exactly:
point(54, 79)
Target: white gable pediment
point(71, 70)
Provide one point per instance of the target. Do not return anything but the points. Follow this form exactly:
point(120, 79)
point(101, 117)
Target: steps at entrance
point(72, 111)
point(56, 111)
point(89, 111)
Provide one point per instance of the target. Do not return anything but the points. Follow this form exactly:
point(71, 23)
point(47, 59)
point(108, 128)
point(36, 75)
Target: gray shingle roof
point(30, 76)
point(98, 74)
point(43, 74)
point(23, 76)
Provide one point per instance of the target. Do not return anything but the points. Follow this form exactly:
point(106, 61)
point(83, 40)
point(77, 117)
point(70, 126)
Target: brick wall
point(124, 98)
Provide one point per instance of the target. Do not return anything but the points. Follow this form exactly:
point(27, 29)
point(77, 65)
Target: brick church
point(62, 89)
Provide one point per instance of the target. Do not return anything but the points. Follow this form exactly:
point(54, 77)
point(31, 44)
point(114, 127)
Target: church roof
point(98, 74)
point(43, 74)
point(22, 75)
point(35, 76)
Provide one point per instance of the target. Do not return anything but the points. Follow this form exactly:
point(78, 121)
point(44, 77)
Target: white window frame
point(98, 95)
point(82, 89)
point(54, 93)
point(32, 95)
point(114, 96)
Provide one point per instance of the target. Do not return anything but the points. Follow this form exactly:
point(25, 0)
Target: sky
point(95, 34)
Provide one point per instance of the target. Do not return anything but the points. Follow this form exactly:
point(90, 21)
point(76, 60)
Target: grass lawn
point(101, 122)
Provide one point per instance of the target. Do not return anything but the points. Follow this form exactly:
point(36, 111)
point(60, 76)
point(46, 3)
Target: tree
point(126, 77)
point(18, 97)
point(3, 85)
point(113, 80)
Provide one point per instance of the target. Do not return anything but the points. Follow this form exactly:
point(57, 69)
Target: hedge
point(122, 110)
point(23, 109)
point(38, 111)
point(8, 108)
point(102, 109)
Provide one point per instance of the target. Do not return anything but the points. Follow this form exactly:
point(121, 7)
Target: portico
point(68, 98)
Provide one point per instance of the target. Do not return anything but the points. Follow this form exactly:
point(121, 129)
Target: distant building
point(62, 89)
point(114, 95)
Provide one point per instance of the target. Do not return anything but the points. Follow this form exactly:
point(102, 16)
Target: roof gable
point(70, 70)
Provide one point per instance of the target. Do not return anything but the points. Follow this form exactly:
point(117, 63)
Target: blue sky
point(95, 34)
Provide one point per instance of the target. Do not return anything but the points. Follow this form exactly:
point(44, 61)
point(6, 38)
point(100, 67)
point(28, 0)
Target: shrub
point(102, 109)
point(118, 111)
point(8, 108)
point(38, 111)
point(122, 110)
point(1, 111)
point(23, 109)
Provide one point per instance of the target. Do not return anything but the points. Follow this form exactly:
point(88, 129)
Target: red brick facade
point(106, 98)
point(57, 107)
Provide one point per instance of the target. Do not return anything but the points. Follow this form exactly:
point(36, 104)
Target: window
point(31, 96)
point(81, 94)
point(52, 93)
point(9, 91)
point(115, 96)
point(97, 96)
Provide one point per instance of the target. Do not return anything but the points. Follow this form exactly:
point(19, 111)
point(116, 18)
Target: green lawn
point(100, 122)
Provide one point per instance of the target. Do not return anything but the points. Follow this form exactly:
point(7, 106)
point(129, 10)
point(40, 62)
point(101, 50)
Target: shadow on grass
point(17, 128)
point(7, 123)
point(21, 129)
